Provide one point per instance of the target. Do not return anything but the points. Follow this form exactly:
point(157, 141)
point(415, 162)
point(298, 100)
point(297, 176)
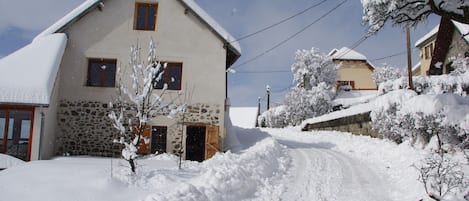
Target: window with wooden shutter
point(144, 148)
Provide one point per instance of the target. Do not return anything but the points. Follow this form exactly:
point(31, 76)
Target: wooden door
point(212, 143)
point(195, 143)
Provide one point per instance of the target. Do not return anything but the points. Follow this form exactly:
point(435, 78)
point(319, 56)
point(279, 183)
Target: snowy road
point(318, 173)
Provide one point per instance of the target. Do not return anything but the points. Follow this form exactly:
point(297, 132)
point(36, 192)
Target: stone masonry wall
point(85, 128)
point(359, 124)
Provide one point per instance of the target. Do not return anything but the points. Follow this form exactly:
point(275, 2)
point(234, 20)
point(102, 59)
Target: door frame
point(186, 135)
point(7, 109)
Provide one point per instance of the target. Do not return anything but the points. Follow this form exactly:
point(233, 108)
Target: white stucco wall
point(48, 141)
point(180, 37)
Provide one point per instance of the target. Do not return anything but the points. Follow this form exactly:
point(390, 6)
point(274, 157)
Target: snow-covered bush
point(136, 103)
point(302, 104)
point(385, 73)
point(460, 65)
point(274, 117)
point(402, 115)
point(457, 82)
point(441, 177)
point(384, 114)
point(312, 67)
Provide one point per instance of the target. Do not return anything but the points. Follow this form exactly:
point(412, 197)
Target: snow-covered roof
point(191, 4)
point(430, 34)
point(463, 29)
point(28, 75)
point(346, 53)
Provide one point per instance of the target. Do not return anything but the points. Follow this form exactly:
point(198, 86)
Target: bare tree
point(412, 12)
point(137, 102)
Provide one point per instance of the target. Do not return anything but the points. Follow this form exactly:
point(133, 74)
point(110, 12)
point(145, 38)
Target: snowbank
point(244, 117)
point(249, 174)
point(8, 161)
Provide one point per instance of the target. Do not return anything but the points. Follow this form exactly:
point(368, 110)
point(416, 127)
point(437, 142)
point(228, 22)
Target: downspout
point(41, 132)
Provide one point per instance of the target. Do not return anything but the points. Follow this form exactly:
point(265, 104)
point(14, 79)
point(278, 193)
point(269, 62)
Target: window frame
point(166, 78)
point(159, 143)
point(146, 19)
point(103, 74)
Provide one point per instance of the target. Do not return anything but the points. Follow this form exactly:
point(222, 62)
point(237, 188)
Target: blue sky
point(240, 17)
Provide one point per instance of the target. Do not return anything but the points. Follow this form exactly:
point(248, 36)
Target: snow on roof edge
point(463, 29)
point(213, 24)
point(64, 21)
point(348, 54)
point(29, 74)
point(431, 33)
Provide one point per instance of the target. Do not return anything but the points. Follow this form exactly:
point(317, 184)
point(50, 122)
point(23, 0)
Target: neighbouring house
point(452, 41)
point(426, 44)
point(447, 40)
point(355, 70)
point(56, 90)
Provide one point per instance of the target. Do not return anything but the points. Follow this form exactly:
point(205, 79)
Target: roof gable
point(89, 5)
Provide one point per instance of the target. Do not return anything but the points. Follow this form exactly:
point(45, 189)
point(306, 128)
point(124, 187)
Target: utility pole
point(268, 96)
point(409, 60)
point(258, 110)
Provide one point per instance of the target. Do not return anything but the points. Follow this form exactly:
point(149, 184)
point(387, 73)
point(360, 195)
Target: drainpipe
point(41, 132)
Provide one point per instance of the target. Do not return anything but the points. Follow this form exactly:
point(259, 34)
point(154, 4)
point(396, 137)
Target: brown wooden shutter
point(144, 148)
point(352, 83)
point(212, 145)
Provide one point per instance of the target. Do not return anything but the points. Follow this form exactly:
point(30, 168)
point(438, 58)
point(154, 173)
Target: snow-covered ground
point(272, 164)
point(246, 116)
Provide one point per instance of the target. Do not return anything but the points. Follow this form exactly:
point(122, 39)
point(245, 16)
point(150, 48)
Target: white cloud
point(33, 16)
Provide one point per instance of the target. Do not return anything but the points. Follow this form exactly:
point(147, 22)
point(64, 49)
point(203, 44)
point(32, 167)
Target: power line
point(392, 55)
point(289, 38)
point(278, 23)
point(267, 71)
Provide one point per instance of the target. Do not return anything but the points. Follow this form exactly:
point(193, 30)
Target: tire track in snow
point(325, 175)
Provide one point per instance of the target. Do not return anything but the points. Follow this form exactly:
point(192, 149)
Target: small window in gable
point(172, 76)
point(101, 72)
point(145, 16)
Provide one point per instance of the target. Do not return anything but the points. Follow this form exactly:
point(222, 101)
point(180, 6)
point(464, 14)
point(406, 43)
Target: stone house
point(355, 70)
point(447, 40)
point(72, 117)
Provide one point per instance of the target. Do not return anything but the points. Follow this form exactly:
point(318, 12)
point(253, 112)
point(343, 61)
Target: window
point(101, 72)
point(15, 132)
point(172, 76)
point(346, 85)
point(145, 16)
point(158, 139)
point(428, 51)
